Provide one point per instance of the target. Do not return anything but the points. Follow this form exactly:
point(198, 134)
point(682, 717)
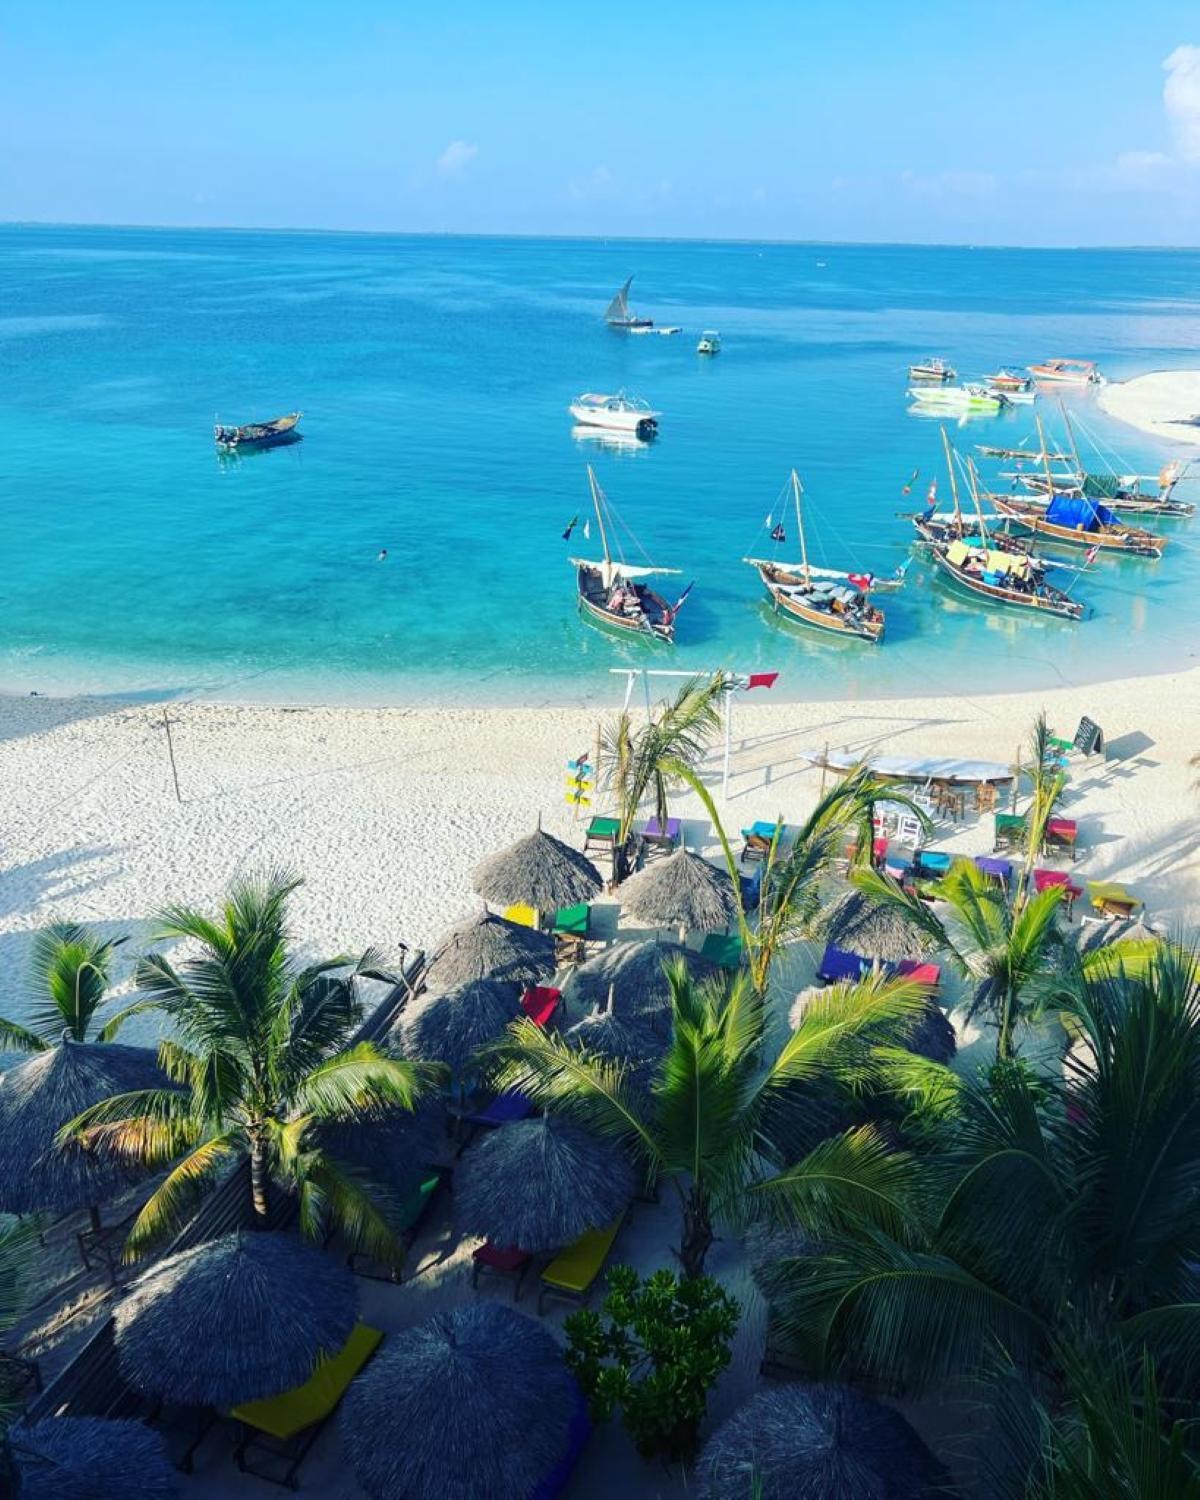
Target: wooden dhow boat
point(985, 565)
point(613, 592)
point(837, 603)
point(258, 434)
point(618, 315)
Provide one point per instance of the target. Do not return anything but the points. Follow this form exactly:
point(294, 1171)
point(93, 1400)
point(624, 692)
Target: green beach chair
point(602, 833)
point(723, 949)
point(572, 928)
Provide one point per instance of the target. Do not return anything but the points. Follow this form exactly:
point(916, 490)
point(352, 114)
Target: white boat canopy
point(610, 570)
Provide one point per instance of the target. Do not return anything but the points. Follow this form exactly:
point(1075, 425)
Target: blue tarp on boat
point(1076, 511)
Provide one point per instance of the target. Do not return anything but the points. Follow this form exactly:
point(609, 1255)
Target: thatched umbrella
point(395, 1151)
point(451, 1025)
point(539, 1184)
point(768, 1246)
point(489, 947)
point(616, 1039)
point(539, 871)
point(632, 974)
point(41, 1095)
point(91, 1458)
point(233, 1319)
point(818, 1442)
point(875, 931)
point(682, 891)
point(476, 1401)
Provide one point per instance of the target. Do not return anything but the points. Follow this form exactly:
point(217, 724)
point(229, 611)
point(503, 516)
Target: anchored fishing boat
point(618, 314)
point(932, 369)
point(984, 565)
point(710, 342)
point(613, 592)
point(619, 413)
point(835, 602)
point(258, 434)
point(1068, 372)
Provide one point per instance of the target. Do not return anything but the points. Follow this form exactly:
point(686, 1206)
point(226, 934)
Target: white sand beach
point(1161, 403)
point(386, 811)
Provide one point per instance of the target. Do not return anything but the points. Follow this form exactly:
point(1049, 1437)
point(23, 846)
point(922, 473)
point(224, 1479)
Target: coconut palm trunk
point(698, 1236)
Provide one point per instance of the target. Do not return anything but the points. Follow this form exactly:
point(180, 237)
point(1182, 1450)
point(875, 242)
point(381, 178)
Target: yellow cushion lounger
point(524, 916)
point(1108, 896)
point(571, 1273)
point(305, 1408)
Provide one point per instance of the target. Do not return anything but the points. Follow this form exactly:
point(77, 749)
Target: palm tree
point(710, 1121)
point(1030, 1216)
point(71, 968)
point(262, 1061)
point(791, 891)
point(647, 759)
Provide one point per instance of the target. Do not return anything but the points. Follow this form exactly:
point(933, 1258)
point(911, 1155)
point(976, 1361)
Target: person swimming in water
point(382, 555)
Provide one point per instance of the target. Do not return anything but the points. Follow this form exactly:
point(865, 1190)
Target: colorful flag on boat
point(587, 529)
point(861, 581)
point(678, 605)
point(571, 525)
point(778, 534)
point(912, 479)
point(1090, 556)
point(761, 679)
point(931, 498)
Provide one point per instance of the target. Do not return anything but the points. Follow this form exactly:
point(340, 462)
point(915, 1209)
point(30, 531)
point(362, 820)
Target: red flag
point(931, 498)
point(862, 581)
point(1090, 556)
point(761, 679)
point(907, 488)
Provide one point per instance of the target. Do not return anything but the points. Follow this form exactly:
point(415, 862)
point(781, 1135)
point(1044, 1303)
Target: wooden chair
point(985, 797)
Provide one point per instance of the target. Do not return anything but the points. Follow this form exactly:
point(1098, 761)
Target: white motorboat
point(970, 397)
point(619, 413)
point(710, 342)
point(932, 368)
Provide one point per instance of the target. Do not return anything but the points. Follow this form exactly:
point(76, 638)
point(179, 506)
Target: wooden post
point(824, 768)
point(729, 691)
point(171, 753)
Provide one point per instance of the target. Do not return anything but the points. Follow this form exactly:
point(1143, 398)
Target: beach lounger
point(752, 888)
point(1044, 879)
point(540, 1003)
point(1009, 832)
point(921, 972)
point(522, 915)
point(502, 1110)
point(1061, 833)
point(931, 864)
point(501, 1260)
point(602, 833)
point(838, 964)
point(756, 842)
point(723, 949)
point(998, 870)
point(1111, 899)
point(283, 1428)
point(572, 1272)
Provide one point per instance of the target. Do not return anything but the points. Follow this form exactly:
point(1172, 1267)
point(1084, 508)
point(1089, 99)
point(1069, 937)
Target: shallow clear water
point(434, 375)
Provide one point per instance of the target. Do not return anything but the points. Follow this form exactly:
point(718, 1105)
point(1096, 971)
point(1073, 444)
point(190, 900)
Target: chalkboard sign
point(1089, 737)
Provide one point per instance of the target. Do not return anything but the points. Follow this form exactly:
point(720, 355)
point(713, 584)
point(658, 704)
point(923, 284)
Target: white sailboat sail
point(618, 308)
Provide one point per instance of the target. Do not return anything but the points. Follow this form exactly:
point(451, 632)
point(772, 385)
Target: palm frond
point(851, 1179)
point(362, 1081)
point(172, 1203)
point(70, 969)
point(17, 1038)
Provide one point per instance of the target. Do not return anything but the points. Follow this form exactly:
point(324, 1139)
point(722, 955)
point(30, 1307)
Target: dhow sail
point(618, 308)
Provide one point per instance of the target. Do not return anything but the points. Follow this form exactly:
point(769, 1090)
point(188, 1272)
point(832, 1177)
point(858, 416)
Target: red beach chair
point(541, 1003)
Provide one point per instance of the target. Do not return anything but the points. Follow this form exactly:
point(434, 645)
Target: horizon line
point(474, 234)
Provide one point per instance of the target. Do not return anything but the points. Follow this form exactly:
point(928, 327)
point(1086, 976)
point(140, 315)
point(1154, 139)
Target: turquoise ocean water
point(434, 374)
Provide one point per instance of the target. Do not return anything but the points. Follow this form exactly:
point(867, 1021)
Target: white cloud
point(1181, 100)
point(457, 156)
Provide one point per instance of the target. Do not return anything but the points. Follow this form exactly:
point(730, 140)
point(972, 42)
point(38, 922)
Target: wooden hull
point(793, 606)
point(256, 435)
point(1129, 540)
point(656, 620)
point(1126, 503)
point(1042, 604)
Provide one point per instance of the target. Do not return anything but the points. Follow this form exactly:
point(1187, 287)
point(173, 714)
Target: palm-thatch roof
point(817, 1442)
point(539, 871)
point(233, 1319)
point(476, 1401)
point(41, 1095)
point(490, 947)
point(394, 1152)
point(769, 1247)
point(618, 1039)
point(633, 972)
point(451, 1025)
point(872, 929)
point(91, 1458)
point(682, 890)
point(539, 1184)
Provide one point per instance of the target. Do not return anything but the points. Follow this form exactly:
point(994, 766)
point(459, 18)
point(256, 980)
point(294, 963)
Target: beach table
point(1111, 899)
point(1044, 879)
point(501, 1260)
point(932, 862)
point(1009, 832)
point(571, 930)
point(603, 833)
point(756, 842)
point(723, 949)
point(1061, 833)
point(661, 837)
point(999, 870)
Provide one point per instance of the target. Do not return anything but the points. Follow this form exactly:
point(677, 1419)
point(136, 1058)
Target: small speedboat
point(1008, 380)
point(254, 435)
point(710, 342)
point(970, 397)
point(932, 369)
point(1068, 372)
point(619, 413)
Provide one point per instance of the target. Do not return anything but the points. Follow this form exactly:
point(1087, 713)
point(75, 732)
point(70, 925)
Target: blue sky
point(1013, 122)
